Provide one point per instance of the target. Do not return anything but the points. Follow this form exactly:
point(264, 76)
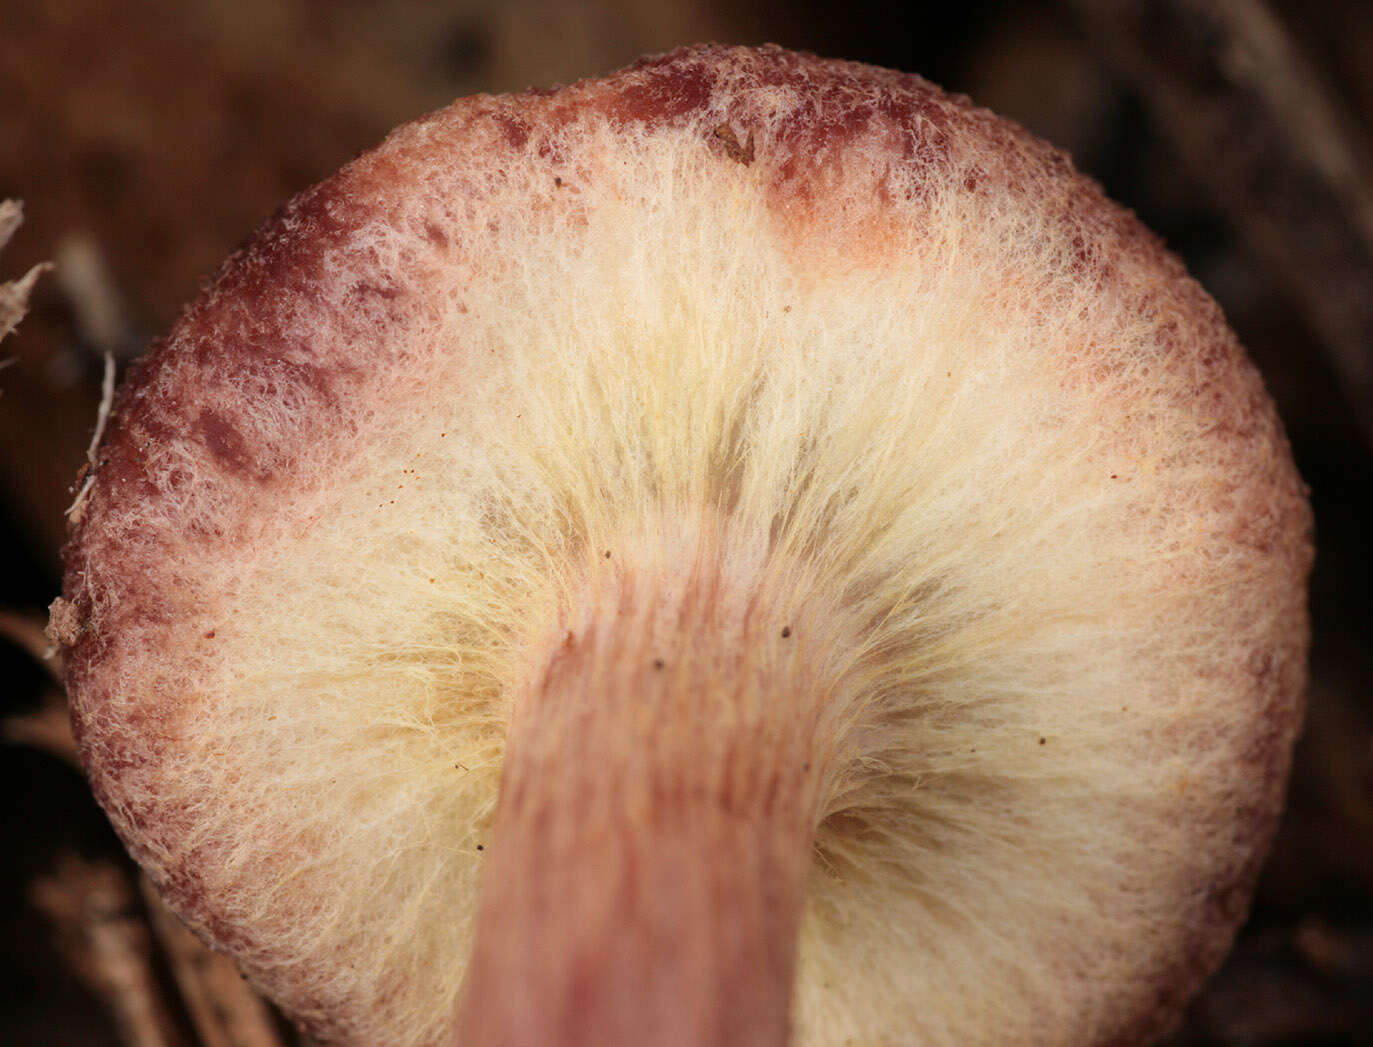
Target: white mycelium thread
point(1023, 487)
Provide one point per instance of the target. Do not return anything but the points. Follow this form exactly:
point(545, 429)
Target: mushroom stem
point(655, 823)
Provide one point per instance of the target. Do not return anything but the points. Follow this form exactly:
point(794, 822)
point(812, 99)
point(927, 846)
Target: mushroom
point(748, 549)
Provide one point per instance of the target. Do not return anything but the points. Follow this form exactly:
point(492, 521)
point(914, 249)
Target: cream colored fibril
point(876, 551)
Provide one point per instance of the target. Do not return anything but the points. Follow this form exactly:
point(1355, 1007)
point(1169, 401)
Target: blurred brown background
point(147, 139)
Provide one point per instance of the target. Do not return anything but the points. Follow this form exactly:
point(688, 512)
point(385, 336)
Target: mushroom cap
point(864, 328)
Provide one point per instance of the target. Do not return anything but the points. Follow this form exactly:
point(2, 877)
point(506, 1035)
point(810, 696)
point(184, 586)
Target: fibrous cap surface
point(857, 325)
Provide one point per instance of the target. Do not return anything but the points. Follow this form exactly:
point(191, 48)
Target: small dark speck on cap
point(658, 663)
point(1043, 740)
point(786, 631)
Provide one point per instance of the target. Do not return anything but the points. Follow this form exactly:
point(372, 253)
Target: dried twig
point(28, 632)
point(97, 305)
point(102, 417)
point(99, 929)
point(225, 1010)
point(1256, 125)
point(47, 728)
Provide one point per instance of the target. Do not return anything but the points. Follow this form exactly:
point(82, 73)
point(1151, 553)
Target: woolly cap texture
point(862, 328)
